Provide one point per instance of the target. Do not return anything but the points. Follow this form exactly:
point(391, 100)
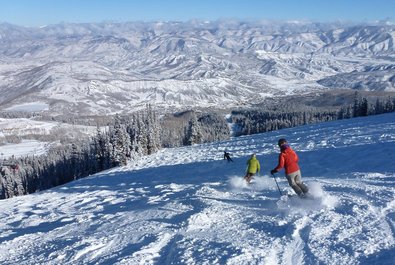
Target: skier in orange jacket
point(288, 159)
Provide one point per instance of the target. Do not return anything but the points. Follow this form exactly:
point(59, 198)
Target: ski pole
point(277, 185)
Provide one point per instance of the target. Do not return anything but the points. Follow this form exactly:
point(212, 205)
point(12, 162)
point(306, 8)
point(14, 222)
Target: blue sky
point(43, 12)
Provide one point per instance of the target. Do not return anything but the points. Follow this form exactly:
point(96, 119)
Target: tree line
point(251, 121)
point(127, 137)
point(143, 133)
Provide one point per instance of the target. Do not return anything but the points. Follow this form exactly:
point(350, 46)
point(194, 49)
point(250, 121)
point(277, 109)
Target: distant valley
point(107, 68)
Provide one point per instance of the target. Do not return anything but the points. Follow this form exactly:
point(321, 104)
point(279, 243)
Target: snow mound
point(258, 183)
point(316, 200)
point(317, 192)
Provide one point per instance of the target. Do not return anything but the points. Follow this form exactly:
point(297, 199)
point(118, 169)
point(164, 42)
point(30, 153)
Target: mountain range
point(106, 68)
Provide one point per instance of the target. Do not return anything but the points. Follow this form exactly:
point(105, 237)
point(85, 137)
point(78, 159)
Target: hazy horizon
point(45, 12)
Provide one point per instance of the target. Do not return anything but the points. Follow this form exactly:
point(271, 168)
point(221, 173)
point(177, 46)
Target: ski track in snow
point(189, 206)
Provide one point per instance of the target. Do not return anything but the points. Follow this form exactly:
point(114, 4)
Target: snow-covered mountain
point(189, 206)
point(104, 68)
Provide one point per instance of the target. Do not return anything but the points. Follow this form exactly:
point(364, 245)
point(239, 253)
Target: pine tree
point(389, 105)
point(120, 143)
point(193, 135)
point(356, 112)
point(153, 131)
point(102, 150)
point(364, 107)
point(75, 160)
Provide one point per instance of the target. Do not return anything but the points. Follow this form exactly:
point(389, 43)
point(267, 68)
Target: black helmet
point(281, 141)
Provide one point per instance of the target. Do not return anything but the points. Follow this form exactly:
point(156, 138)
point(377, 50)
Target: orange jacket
point(288, 159)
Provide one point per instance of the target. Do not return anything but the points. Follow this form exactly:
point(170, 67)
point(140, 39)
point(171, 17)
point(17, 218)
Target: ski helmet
point(281, 141)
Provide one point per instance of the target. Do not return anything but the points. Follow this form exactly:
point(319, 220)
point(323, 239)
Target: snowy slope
point(23, 149)
point(189, 206)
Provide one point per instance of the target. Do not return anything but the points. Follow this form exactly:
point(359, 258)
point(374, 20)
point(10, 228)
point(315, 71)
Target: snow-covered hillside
point(189, 206)
point(49, 134)
point(103, 68)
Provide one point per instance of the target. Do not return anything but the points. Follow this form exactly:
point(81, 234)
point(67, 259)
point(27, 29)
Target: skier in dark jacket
point(227, 156)
point(288, 159)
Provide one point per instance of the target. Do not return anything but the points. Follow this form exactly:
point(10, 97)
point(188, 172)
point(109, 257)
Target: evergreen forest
point(127, 137)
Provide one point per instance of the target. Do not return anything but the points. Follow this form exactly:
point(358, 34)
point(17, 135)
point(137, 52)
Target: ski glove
point(273, 171)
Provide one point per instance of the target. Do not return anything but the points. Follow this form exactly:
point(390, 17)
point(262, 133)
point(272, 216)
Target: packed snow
point(24, 148)
point(23, 131)
point(189, 206)
point(23, 126)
